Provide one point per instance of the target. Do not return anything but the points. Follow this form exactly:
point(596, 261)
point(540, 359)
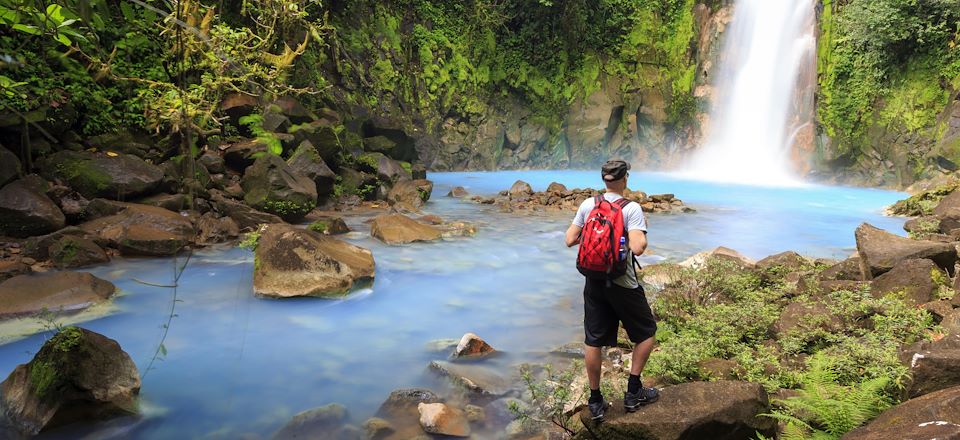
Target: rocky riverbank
point(521, 197)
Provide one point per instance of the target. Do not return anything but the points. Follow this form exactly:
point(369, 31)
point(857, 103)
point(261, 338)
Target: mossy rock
point(94, 175)
point(271, 186)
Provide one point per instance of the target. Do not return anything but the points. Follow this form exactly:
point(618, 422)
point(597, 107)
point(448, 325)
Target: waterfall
point(764, 94)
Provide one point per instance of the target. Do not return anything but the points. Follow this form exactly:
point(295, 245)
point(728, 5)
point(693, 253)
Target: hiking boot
point(633, 401)
point(598, 409)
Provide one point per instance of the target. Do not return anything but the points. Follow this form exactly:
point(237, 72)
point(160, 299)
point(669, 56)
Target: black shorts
point(605, 307)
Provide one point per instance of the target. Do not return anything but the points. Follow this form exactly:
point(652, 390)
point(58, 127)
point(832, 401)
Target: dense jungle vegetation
point(888, 64)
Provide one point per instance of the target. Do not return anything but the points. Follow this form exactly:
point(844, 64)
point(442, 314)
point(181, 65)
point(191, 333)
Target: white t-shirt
point(633, 219)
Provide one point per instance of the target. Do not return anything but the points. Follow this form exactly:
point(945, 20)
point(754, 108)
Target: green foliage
point(318, 226)
point(251, 239)
point(254, 123)
point(825, 409)
point(923, 202)
point(552, 394)
point(285, 208)
point(896, 55)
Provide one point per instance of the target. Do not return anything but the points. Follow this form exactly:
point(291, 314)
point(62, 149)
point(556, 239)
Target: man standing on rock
point(607, 302)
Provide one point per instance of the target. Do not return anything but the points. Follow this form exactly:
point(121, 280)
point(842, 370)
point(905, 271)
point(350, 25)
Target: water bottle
point(623, 248)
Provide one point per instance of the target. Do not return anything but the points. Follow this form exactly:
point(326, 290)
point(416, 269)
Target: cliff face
point(646, 102)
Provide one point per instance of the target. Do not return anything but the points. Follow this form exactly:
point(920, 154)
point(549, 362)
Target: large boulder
point(324, 423)
point(270, 185)
point(77, 375)
point(410, 194)
point(57, 291)
point(299, 262)
point(143, 230)
point(691, 411)
point(38, 247)
point(72, 251)
point(403, 403)
point(241, 155)
point(783, 262)
point(386, 169)
point(913, 277)
point(880, 251)
point(933, 416)
point(25, 211)
point(110, 176)
point(441, 419)
point(9, 166)
point(933, 370)
point(520, 189)
point(245, 216)
point(212, 229)
point(400, 229)
point(805, 317)
point(846, 270)
point(305, 161)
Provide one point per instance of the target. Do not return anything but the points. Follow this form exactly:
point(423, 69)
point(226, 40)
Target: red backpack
point(604, 253)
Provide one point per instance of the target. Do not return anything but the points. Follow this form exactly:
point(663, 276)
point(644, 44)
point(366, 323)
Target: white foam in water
point(757, 111)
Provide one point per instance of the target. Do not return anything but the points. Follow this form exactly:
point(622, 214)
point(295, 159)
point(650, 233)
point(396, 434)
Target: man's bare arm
point(638, 241)
point(573, 235)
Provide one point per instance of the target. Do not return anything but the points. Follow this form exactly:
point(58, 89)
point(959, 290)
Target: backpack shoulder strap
point(597, 200)
point(622, 202)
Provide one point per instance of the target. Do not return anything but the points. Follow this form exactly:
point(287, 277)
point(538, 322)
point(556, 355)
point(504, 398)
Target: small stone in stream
point(472, 345)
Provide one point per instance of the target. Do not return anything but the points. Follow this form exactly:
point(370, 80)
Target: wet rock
point(880, 251)
point(438, 418)
point(457, 229)
point(306, 161)
point(474, 413)
point(73, 251)
point(403, 403)
point(410, 194)
point(458, 192)
point(911, 276)
point(212, 230)
point(324, 423)
point(691, 411)
point(431, 220)
point(246, 217)
point(478, 379)
point(932, 416)
point(27, 211)
point(400, 229)
point(298, 262)
point(376, 428)
point(472, 346)
point(520, 189)
point(331, 225)
point(56, 291)
point(77, 375)
point(143, 230)
point(109, 176)
point(270, 185)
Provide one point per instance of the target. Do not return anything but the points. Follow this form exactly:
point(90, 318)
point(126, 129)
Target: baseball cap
point(614, 170)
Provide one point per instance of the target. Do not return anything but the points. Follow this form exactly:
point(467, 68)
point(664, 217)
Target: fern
point(824, 409)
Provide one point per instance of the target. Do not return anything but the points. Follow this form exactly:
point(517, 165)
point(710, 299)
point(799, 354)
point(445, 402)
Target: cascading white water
point(769, 51)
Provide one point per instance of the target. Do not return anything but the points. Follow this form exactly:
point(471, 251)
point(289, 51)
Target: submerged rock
point(403, 403)
point(57, 291)
point(441, 419)
point(299, 262)
point(880, 251)
point(324, 423)
point(77, 375)
point(400, 229)
point(480, 380)
point(458, 192)
point(691, 411)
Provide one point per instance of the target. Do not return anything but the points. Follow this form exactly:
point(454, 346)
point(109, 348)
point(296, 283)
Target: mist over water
point(759, 105)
